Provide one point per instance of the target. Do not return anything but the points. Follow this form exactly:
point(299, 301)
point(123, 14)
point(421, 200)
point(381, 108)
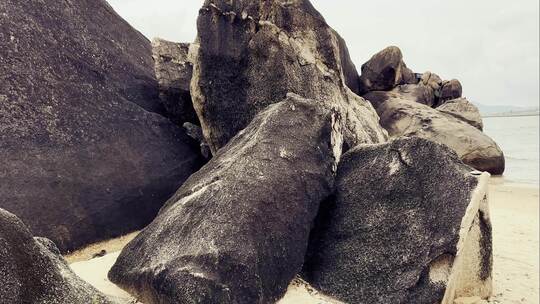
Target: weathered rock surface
point(32, 271)
point(237, 230)
point(397, 224)
point(464, 110)
point(252, 53)
point(402, 117)
point(85, 154)
point(384, 71)
point(414, 92)
point(450, 89)
point(174, 69)
point(433, 81)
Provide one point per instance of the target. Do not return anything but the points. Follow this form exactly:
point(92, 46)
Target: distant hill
point(506, 110)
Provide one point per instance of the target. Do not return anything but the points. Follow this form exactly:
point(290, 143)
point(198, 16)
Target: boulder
point(408, 224)
point(414, 92)
point(384, 71)
point(173, 71)
point(33, 271)
point(464, 110)
point(237, 230)
point(450, 89)
point(85, 152)
point(402, 117)
point(433, 81)
point(252, 53)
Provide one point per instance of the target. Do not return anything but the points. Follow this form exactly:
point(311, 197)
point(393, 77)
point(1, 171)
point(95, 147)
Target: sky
point(491, 46)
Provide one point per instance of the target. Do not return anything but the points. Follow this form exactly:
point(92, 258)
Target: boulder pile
point(428, 107)
point(285, 161)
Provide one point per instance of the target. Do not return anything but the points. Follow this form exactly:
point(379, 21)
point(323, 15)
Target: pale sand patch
point(110, 246)
point(515, 217)
point(95, 272)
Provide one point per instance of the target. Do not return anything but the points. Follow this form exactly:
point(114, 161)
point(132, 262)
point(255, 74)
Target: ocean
point(518, 137)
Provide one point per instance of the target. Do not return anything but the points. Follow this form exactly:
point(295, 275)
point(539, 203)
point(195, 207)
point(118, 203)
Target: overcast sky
point(491, 46)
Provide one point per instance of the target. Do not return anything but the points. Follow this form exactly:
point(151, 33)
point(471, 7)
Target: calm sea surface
point(518, 137)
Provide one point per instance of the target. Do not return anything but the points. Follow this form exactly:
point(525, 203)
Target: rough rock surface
point(450, 89)
point(406, 118)
point(464, 110)
point(196, 133)
point(237, 230)
point(32, 271)
point(414, 92)
point(252, 53)
point(392, 231)
point(84, 153)
point(433, 81)
point(384, 71)
point(173, 71)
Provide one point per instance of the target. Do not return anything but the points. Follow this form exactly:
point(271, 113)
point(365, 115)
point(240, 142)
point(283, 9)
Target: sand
point(514, 214)
point(515, 218)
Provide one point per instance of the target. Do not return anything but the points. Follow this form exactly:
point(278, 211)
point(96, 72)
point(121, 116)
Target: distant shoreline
point(510, 115)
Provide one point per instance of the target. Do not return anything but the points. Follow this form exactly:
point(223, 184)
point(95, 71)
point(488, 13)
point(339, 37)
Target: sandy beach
point(515, 218)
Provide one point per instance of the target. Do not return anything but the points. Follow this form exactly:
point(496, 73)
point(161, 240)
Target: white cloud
point(492, 46)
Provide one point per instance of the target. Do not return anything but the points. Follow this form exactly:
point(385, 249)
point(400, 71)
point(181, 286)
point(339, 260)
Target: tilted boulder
point(408, 224)
point(464, 110)
point(384, 71)
point(85, 153)
point(173, 71)
point(402, 117)
point(450, 89)
point(33, 271)
point(237, 230)
point(252, 53)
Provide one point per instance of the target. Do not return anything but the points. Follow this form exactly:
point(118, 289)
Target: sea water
point(518, 137)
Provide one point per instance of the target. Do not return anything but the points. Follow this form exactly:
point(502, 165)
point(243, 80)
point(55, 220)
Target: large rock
point(464, 110)
point(33, 271)
point(402, 117)
point(408, 225)
point(252, 53)
point(433, 81)
point(384, 71)
point(237, 230)
point(414, 92)
point(173, 71)
point(85, 154)
point(450, 89)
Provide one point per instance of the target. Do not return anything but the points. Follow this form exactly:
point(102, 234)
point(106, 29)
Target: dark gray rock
point(173, 71)
point(401, 117)
point(196, 133)
point(237, 230)
point(32, 271)
point(252, 53)
point(464, 110)
point(384, 71)
point(450, 89)
point(392, 231)
point(85, 154)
